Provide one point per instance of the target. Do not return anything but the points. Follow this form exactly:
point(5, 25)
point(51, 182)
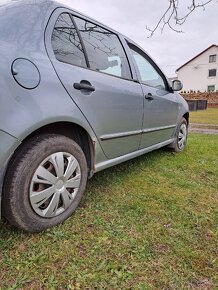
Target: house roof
point(213, 45)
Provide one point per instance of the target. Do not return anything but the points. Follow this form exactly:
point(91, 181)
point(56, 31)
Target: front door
point(160, 104)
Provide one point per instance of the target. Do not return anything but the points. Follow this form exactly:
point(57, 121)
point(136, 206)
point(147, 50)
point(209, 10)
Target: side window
point(148, 73)
point(104, 50)
point(66, 43)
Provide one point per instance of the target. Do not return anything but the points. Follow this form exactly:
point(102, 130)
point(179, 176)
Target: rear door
point(92, 65)
point(160, 103)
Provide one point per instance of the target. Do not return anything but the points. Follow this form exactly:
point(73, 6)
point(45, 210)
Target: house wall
point(194, 75)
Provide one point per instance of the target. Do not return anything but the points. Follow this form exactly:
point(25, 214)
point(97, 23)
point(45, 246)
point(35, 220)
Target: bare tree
point(172, 17)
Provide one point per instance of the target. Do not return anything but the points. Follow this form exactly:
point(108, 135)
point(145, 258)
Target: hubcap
point(182, 136)
point(55, 184)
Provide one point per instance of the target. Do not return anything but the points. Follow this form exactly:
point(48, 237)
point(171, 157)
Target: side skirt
point(111, 162)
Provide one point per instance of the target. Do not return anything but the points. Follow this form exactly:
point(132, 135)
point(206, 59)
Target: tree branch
point(171, 16)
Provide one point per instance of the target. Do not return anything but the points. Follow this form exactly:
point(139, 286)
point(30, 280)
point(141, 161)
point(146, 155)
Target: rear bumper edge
point(8, 144)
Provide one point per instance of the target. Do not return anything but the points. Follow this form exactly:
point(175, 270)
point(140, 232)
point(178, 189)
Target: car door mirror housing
point(177, 85)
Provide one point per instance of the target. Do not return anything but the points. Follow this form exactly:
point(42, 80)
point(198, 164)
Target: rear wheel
point(181, 136)
point(44, 183)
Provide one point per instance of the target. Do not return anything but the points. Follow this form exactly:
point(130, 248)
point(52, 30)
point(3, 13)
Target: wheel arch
point(72, 131)
point(186, 116)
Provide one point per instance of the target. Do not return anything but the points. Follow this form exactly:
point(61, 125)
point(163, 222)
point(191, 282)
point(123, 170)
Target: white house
point(201, 72)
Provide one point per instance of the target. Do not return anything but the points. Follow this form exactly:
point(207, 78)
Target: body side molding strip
point(120, 135)
point(133, 133)
point(158, 129)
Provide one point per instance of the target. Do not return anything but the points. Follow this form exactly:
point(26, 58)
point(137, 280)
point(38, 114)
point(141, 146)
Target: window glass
point(148, 73)
point(66, 43)
point(212, 58)
point(212, 72)
point(104, 50)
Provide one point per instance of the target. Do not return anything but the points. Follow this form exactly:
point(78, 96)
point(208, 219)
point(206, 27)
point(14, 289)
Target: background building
point(201, 72)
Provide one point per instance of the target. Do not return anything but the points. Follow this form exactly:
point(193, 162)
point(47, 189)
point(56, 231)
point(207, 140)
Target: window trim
point(151, 62)
point(81, 40)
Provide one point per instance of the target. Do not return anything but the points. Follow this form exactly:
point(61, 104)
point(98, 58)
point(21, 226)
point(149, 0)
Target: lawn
point(209, 116)
point(150, 223)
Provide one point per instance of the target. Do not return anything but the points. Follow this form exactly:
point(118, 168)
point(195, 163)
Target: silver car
point(76, 97)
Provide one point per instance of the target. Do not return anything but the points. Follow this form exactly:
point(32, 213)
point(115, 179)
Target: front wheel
point(181, 136)
point(44, 183)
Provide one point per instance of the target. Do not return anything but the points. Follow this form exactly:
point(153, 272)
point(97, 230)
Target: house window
point(212, 58)
point(212, 72)
point(211, 88)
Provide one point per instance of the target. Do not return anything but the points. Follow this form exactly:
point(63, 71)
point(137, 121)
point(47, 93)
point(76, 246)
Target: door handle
point(84, 86)
point(149, 97)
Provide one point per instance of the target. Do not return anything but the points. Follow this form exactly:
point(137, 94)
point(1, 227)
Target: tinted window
point(148, 73)
point(104, 50)
point(66, 43)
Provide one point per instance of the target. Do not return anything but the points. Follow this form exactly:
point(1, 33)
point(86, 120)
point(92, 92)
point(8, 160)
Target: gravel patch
point(203, 128)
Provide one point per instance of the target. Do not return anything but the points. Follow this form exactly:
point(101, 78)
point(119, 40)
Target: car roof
point(52, 4)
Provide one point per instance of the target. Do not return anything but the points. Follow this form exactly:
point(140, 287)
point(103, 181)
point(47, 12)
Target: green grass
point(209, 116)
point(150, 223)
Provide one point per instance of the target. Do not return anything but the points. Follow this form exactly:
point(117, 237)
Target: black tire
point(175, 146)
point(17, 208)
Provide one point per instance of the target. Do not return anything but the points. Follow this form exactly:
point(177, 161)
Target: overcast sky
point(170, 49)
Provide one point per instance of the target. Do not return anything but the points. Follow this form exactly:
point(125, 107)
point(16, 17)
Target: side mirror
point(177, 85)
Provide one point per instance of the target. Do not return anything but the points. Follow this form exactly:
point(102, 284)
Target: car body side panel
point(22, 26)
point(24, 110)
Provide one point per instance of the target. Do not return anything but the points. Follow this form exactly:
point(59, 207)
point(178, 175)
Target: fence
point(199, 100)
point(195, 105)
